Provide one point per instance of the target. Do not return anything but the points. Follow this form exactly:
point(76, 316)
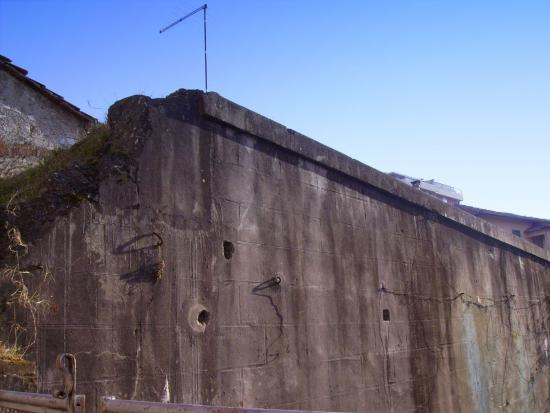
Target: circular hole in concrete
point(203, 317)
point(197, 317)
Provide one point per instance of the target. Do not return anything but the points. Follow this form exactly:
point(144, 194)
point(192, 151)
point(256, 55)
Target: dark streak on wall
point(344, 290)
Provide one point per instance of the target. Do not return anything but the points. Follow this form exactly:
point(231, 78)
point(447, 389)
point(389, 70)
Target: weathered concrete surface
point(388, 300)
point(31, 124)
point(18, 376)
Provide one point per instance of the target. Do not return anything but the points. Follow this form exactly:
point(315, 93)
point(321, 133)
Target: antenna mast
point(203, 8)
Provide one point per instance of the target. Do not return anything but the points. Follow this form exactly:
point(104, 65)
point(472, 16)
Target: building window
point(538, 240)
point(516, 232)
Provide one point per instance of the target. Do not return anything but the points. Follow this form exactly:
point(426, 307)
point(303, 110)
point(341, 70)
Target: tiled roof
point(21, 74)
point(480, 212)
point(538, 226)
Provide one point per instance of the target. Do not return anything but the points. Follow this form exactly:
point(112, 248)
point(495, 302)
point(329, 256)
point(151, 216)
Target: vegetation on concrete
point(18, 297)
point(20, 305)
point(34, 182)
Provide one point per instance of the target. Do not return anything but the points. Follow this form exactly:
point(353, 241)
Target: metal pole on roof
point(203, 8)
point(205, 54)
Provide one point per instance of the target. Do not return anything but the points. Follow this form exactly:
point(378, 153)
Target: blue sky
point(458, 90)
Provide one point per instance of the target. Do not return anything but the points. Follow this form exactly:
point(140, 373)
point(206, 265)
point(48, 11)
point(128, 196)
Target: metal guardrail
point(64, 400)
point(109, 405)
point(12, 402)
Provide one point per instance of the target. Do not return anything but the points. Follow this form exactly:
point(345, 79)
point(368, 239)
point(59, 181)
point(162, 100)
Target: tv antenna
point(203, 8)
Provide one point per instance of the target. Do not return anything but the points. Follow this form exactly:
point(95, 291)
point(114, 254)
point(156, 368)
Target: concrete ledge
point(222, 110)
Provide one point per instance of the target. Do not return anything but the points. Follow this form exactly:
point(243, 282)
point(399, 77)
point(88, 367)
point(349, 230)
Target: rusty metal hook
point(67, 364)
point(272, 282)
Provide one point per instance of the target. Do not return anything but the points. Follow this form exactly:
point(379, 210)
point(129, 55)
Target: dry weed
point(21, 297)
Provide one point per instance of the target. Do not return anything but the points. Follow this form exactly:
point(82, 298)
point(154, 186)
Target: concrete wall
point(18, 376)
point(156, 304)
point(31, 125)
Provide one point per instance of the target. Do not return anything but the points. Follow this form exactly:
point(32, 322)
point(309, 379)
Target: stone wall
point(31, 125)
point(239, 263)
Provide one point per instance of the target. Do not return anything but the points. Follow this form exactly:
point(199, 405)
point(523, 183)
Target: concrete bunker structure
point(239, 263)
